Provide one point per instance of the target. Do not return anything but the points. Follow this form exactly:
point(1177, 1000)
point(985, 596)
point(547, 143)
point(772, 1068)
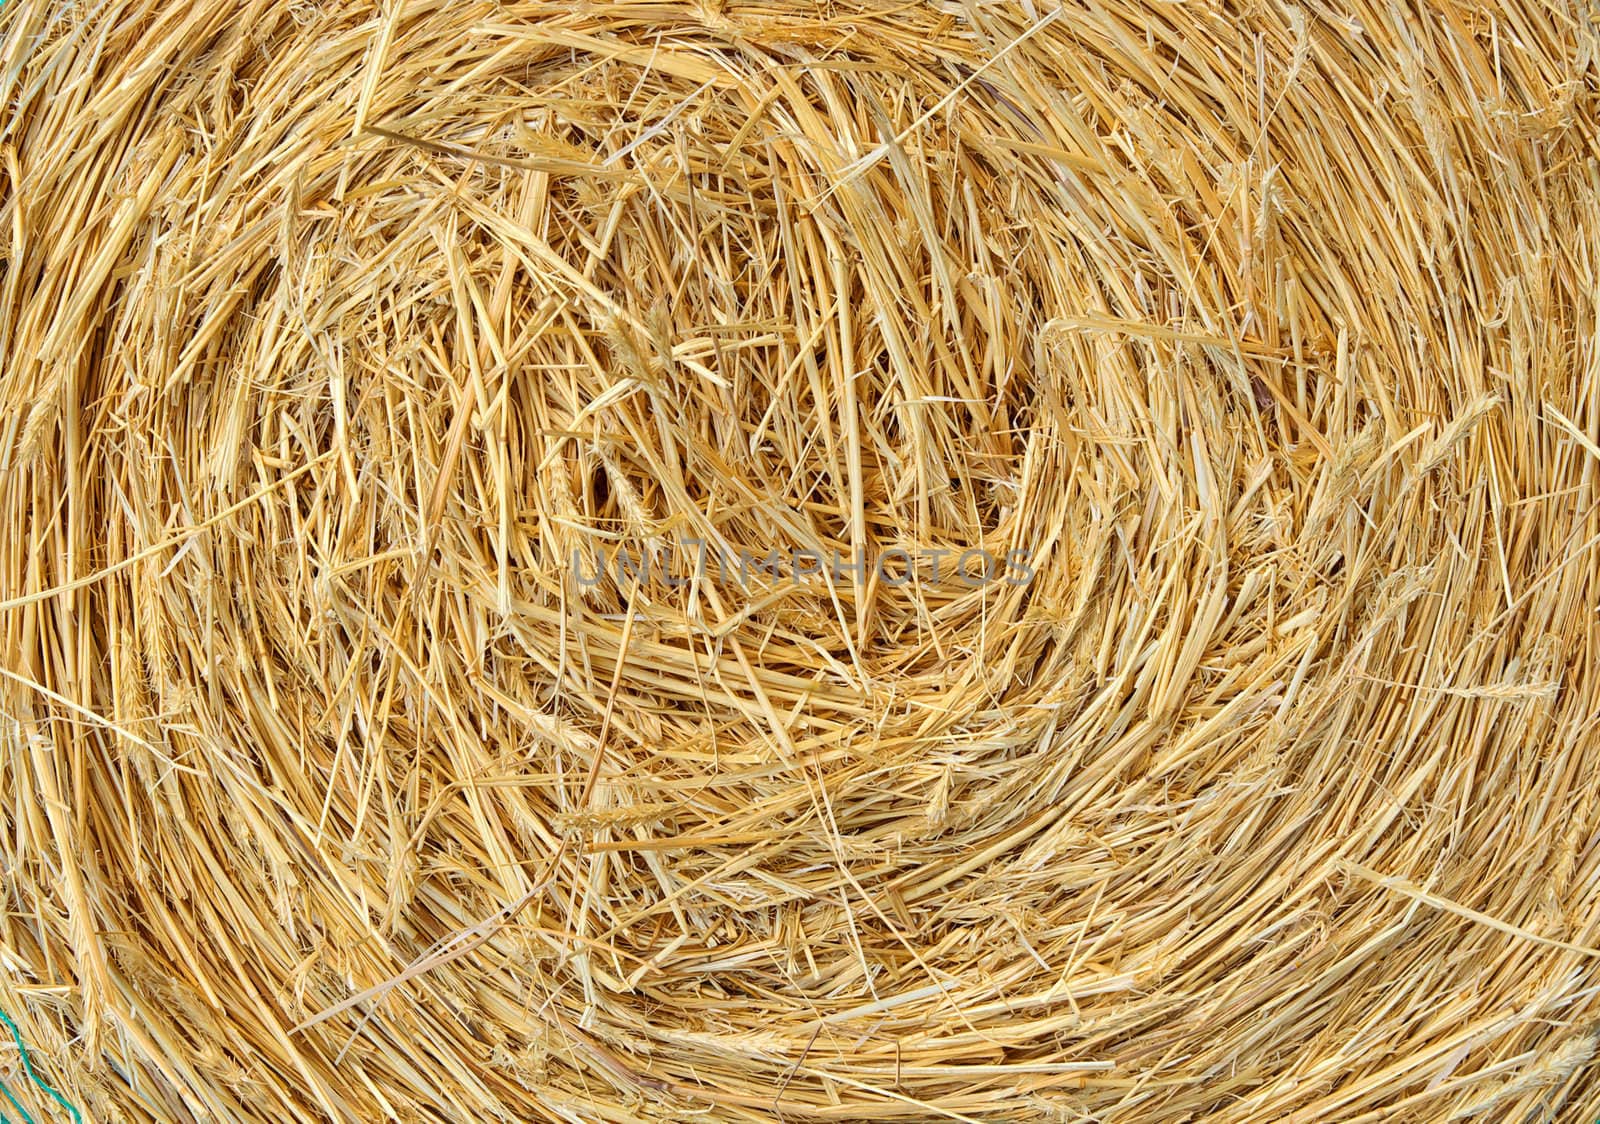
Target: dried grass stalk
point(342, 341)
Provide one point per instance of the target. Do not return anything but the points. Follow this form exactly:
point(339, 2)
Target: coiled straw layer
point(346, 775)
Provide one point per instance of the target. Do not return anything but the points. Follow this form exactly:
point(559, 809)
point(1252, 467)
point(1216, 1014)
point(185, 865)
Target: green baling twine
point(27, 1065)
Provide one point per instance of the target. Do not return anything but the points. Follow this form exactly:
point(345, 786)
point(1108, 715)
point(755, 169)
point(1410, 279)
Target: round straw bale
point(801, 561)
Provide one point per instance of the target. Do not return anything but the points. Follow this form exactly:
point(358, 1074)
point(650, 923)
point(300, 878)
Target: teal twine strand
point(27, 1065)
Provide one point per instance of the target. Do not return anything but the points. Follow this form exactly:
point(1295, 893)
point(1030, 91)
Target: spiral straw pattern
point(802, 561)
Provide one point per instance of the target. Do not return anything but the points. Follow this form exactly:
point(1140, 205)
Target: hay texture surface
point(343, 341)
